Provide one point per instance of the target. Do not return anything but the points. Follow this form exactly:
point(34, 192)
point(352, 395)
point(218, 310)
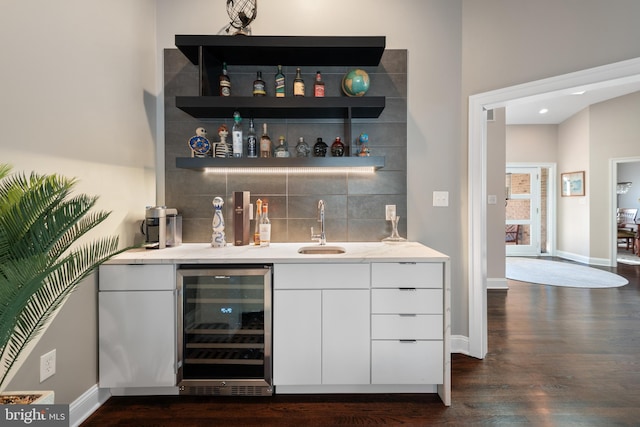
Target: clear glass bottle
point(280, 83)
point(224, 81)
point(259, 88)
point(298, 84)
point(236, 135)
point(265, 142)
point(302, 148)
point(337, 148)
point(252, 141)
point(281, 150)
point(318, 86)
point(256, 232)
point(265, 226)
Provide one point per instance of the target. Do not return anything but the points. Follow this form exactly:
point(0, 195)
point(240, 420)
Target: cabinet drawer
point(414, 275)
point(406, 301)
point(321, 276)
point(402, 362)
point(137, 277)
point(417, 327)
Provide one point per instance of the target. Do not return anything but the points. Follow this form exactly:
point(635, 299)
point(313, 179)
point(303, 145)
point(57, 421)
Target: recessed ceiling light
point(543, 111)
point(579, 92)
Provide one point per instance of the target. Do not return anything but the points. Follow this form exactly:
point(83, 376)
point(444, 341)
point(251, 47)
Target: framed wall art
point(572, 184)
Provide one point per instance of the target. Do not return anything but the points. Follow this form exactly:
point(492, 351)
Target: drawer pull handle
point(407, 289)
point(409, 263)
point(407, 315)
point(408, 341)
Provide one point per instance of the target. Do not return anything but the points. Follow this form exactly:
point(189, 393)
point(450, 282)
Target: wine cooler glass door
point(226, 330)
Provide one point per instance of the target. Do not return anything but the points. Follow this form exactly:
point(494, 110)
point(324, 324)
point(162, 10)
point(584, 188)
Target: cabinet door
point(345, 337)
point(297, 337)
point(137, 339)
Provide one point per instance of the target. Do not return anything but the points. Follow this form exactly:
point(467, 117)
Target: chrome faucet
point(321, 238)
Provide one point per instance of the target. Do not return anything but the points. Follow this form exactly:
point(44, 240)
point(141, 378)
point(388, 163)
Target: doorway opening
point(479, 104)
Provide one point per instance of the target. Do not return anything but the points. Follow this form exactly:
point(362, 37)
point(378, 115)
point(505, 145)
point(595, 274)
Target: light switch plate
point(492, 199)
point(441, 198)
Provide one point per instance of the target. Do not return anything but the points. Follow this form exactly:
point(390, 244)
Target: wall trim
point(85, 405)
point(459, 344)
point(497, 283)
point(604, 262)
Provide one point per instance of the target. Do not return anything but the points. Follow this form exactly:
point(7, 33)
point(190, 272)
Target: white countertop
point(202, 253)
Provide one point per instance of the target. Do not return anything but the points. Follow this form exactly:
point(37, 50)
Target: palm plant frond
point(40, 265)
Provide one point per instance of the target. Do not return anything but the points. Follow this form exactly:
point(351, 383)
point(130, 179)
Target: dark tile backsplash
point(354, 203)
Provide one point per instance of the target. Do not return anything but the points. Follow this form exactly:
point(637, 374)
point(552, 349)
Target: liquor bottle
point(337, 148)
point(302, 148)
point(259, 89)
point(298, 84)
point(318, 86)
point(252, 141)
point(280, 85)
point(265, 226)
point(225, 81)
point(236, 133)
point(265, 142)
point(256, 232)
point(282, 150)
point(319, 148)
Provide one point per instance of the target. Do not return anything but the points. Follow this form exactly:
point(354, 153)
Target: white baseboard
point(85, 405)
point(497, 283)
point(460, 344)
point(583, 259)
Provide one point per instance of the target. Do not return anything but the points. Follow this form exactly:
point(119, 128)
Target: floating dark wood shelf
point(271, 107)
point(284, 50)
point(273, 162)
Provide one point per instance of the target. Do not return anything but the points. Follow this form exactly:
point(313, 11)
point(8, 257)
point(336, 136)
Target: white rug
point(557, 273)
point(628, 259)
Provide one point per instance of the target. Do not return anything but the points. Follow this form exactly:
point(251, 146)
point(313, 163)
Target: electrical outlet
point(47, 365)
point(389, 212)
point(441, 198)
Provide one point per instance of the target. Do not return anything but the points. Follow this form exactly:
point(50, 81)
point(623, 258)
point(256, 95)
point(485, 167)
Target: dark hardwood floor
point(557, 357)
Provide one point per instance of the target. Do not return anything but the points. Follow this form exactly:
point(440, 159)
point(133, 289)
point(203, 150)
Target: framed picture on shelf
point(572, 184)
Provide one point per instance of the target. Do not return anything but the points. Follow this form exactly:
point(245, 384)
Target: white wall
point(532, 143)
point(496, 159)
point(614, 130)
point(78, 98)
point(573, 212)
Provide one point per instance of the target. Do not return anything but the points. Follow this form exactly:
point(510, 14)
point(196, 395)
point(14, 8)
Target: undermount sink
point(321, 250)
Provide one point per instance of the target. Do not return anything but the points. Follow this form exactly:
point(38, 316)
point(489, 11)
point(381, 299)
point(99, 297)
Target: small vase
point(395, 237)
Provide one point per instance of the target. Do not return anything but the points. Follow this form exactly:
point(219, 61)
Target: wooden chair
point(627, 227)
point(512, 233)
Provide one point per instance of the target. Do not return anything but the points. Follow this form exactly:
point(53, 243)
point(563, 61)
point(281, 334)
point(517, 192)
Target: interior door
point(523, 210)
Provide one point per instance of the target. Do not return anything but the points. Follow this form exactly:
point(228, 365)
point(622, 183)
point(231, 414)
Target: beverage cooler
point(224, 331)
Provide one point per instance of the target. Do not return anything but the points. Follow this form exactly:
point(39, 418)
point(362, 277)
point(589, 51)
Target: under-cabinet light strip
point(297, 170)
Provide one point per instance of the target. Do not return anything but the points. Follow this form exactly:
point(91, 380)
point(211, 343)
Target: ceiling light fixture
point(579, 92)
point(543, 111)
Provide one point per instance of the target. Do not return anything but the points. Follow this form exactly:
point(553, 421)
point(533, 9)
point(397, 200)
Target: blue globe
point(355, 83)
